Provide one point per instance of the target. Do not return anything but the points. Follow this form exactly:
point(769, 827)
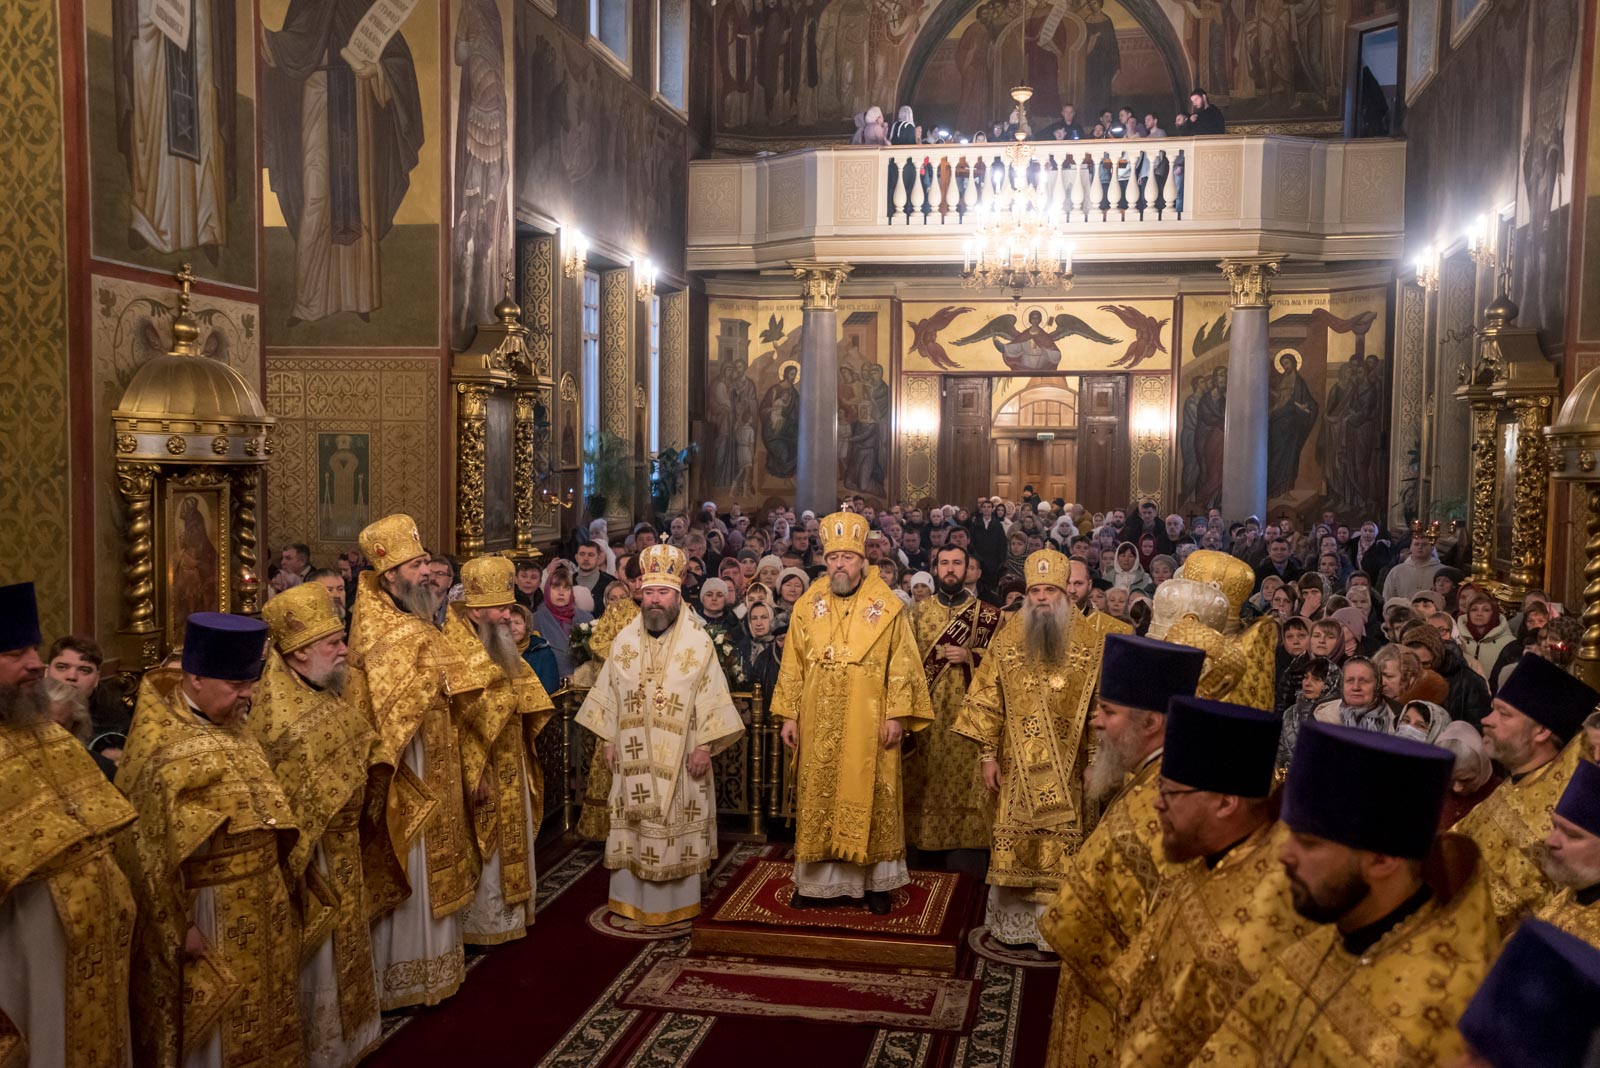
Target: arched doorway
point(1033, 439)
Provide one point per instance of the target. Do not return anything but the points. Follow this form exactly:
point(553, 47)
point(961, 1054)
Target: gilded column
point(617, 382)
point(1485, 465)
point(472, 411)
point(1528, 515)
point(1244, 440)
point(817, 480)
point(674, 379)
point(136, 483)
point(525, 487)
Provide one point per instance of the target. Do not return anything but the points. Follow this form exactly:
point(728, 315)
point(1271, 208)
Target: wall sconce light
point(577, 254)
point(645, 286)
point(1478, 246)
point(1150, 421)
point(1428, 269)
point(561, 500)
point(918, 422)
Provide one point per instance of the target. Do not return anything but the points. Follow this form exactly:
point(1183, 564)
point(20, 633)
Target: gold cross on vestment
point(641, 794)
point(633, 748)
point(626, 656)
point(688, 660)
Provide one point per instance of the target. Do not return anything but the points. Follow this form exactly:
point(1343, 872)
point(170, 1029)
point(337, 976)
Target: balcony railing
point(1164, 199)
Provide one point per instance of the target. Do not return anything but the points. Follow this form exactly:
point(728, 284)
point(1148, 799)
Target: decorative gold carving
point(1589, 645)
point(640, 401)
point(538, 302)
point(136, 484)
point(820, 282)
point(472, 411)
point(245, 481)
point(525, 487)
point(674, 399)
point(219, 444)
point(919, 413)
point(177, 445)
point(1250, 280)
point(1152, 438)
point(1484, 469)
point(569, 388)
point(616, 373)
point(127, 443)
point(1532, 477)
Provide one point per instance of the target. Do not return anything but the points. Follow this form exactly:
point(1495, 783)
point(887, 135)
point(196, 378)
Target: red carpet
point(798, 992)
point(761, 894)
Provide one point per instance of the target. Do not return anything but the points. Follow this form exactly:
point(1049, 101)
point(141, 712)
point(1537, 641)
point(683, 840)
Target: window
point(672, 53)
point(608, 24)
point(1377, 78)
point(591, 362)
point(655, 377)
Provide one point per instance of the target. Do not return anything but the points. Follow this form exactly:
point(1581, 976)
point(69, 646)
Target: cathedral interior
point(275, 271)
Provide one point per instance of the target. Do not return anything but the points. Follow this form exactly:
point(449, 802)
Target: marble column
point(817, 479)
point(1244, 438)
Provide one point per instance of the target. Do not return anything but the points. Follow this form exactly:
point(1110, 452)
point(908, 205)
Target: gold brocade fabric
point(57, 818)
point(320, 746)
point(656, 700)
point(946, 804)
point(1510, 826)
point(403, 676)
point(211, 814)
point(1109, 887)
point(1579, 920)
point(1213, 933)
point(1240, 668)
point(594, 819)
point(1317, 1006)
point(850, 664)
point(1035, 716)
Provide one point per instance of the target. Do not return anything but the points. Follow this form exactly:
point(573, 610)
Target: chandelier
point(1017, 246)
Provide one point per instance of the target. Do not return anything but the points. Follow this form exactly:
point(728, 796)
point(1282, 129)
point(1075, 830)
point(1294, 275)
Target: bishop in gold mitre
point(1230, 909)
point(418, 859)
point(217, 942)
point(66, 911)
point(320, 748)
point(1403, 929)
point(1534, 729)
point(850, 684)
point(660, 710)
point(1200, 606)
point(1572, 857)
point(1109, 884)
point(496, 724)
point(594, 819)
point(946, 805)
point(1028, 712)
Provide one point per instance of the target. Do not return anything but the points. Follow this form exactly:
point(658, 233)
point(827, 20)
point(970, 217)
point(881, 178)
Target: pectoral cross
point(241, 931)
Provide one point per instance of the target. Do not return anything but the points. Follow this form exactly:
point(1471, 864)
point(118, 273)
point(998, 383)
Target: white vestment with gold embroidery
point(657, 699)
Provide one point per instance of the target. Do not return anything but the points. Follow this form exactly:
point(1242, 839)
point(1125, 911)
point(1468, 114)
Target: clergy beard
point(1045, 630)
point(496, 638)
point(954, 589)
point(23, 705)
point(1341, 894)
point(1108, 769)
point(657, 620)
point(843, 585)
point(417, 598)
point(234, 717)
point(332, 680)
point(1562, 873)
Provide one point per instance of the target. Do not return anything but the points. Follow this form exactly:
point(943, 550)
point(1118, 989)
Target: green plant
point(669, 469)
point(608, 470)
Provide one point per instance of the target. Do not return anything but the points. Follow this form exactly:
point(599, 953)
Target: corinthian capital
point(1251, 280)
point(819, 283)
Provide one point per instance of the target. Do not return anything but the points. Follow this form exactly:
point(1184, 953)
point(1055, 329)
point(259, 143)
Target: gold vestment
point(1033, 717)
point(1318, 1006)
point(946, 804)
point(1510, 827)
point(320, 746)
point(594, 819)
point(496, 723)
point(402, 676)
point(58, 815)
point(849, 664)
point(211, 815)
point(1209, 939)
point(1571, 915)
point(1107, 890)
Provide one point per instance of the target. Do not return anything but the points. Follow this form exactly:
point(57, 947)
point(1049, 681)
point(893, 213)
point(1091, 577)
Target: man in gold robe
point(946, 807)
point(849, 686)
point(66, 911)
point(1111, 882)
point(594, 819)
point(1200, 606)
point(320, 746)
point(661, 711)
point(216, 944)
point(1539, 1007)
point(496, 722)
point(1404, 927)
point(1028, 712)
point(1572, 856)
point(418, 861)
point(1230, 909)
point(1534, 729)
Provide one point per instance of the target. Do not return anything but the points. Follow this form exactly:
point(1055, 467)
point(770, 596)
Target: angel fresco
point(925, 336)
point(1033, 348)
point(1147, 334)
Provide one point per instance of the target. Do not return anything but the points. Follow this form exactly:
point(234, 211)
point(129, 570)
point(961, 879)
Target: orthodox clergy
point(1534, 729)
point(216, 943)
point(319, 746)
point(1229, 910)
point(496, 723)
point(1572, 856)
point(1028, 710)
point(1539, 1007)
point(1111, 882)
point(66, 911)
point(946, 807)
point(1405, 929)
point(661, 711)
point(592, 820)
point(417, 857)
point(1241, 662)
point(849, 686)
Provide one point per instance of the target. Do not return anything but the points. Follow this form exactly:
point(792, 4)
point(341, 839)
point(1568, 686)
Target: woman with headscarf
point(558, 615)
point(1016, 556)
point(792, 585)
point(534, 649)
point(1317, 678)
point(1126, 572)
point(904, 129)
point(1147, 550)
point(1474, 777)
point(1422, 721)
point(870, 128)
point(1354, 623)
point(1484, 631)
point(1360, 703)
point(1162, 567)
point(1062, 533)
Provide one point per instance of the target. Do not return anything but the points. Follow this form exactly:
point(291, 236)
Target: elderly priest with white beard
point(661, 710)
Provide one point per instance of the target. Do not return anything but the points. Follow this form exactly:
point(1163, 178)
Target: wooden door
point(1102, 458)
point(964, 473)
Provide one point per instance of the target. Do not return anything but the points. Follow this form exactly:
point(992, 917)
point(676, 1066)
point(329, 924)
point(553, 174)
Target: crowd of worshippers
point(1373, 840)
point(1202, 118)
